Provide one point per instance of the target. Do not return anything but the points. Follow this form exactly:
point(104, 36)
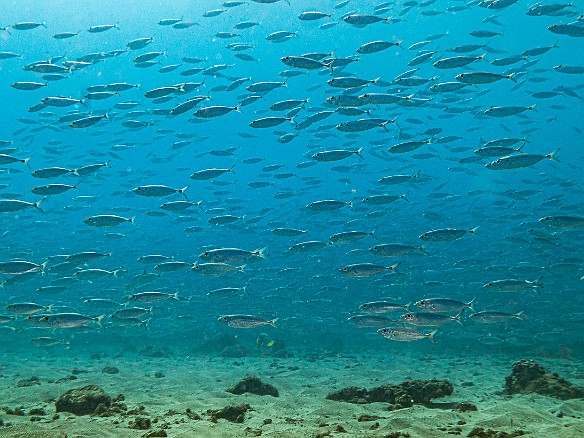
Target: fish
point(107, 220)
point(27, 308)
point(158, 191)
point(69, 320)
point(492, 317)
point(512, 162)
point(514, 285)
point(382, 307)
point(336, 155)
point(406, 335)
point(216, 268)
point(233, 255)
point(152, 297)
point(245, 321)
point(13, 205)
point(446, 234)
point(563, 221)
point(443, 305)
point(364, 270)
point(429, 319)
point(396, 250)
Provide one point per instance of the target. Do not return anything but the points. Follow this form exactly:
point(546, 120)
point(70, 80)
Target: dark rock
point(37, 411)
point(253, 432)
point(82, 401)
point(397, 435)
point(158, 375)
point(34, 380)
point(20, 412)
point(253, 385)
point(235, 414)
point(404, 395)
point(140, 423)
point(529, 377)
point(340, 428)
point(488, 433)
point(464, 407)
point(66, 379)
point(155, 433)
point(368, 418)
point(100, 409)
point(192, 415)
point(267, 421)
point(110, 370)
point(76, 371)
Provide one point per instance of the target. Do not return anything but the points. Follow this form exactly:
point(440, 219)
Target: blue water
point(307, 293)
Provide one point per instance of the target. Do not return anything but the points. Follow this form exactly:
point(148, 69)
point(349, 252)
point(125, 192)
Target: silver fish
point(245, 321)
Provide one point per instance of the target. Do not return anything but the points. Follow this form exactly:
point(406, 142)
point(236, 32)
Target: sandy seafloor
point(199, 383)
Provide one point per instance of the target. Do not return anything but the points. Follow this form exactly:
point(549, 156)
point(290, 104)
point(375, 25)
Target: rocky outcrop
point(403, 395)
point(529, 377)
point(83, 401)
point(253, 385)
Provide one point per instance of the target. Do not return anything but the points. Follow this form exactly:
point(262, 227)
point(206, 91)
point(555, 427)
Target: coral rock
point(253, 385)
point(528, 377)
point(235, 414)
point(403, 395)
point(82, 401)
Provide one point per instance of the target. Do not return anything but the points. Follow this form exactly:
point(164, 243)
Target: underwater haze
point(322, 194)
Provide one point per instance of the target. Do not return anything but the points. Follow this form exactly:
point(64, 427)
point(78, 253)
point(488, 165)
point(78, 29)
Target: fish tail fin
point(132, 220)
point(553, 155)
point(117, 271)
point(470, 304)
point(519, 315)
point(146, 323)
point(25, 162)
point(394, 268)
point(183, 190)
point(532, 107)
point(458, 315)
point(474, 230)
point(231, 169)
point(98, 319)
point(431, 336)
point(405, 196)
point(423, 249)
point(272, 322)
point(49, 308)
point(536, 282)
point(512, 76)
point(261, 252)
point(358, 152)
point(241, 268)
point(38, 204)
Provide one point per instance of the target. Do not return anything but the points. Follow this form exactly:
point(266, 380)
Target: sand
point(199, 383)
